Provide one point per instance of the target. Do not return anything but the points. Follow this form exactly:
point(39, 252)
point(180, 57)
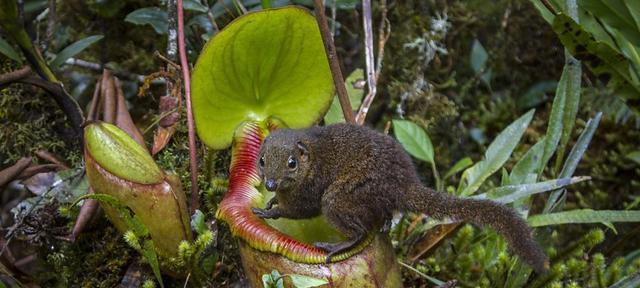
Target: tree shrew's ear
point(304, 151)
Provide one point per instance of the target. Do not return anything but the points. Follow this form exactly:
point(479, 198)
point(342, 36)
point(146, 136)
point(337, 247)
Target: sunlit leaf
point(414, 139)
point(74, 49)
point(265, 65)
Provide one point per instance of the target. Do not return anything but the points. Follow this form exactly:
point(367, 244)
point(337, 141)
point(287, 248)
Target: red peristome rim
point(242, 194)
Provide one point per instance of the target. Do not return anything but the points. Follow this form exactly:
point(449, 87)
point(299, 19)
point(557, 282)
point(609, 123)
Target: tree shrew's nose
point(271, 185)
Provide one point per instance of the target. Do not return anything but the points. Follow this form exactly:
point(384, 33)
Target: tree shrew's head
point(284, 160)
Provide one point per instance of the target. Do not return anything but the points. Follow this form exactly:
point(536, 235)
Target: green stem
point(436, 176)
point(266, 4)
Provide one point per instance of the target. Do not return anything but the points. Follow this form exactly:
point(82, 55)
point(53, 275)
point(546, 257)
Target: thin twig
point(333, 18)
point(369, 59)
point(187, 93)
point(334, 64)
point(13, 76)
point(373, 70)
point(549, 7)
point(99, 67)
point(167, 60)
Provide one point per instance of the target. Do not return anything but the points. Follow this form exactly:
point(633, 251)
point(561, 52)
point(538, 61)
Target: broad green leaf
point(153, 16)
point(459, 166)
point(634, 156)
point(479, 56)
point(584, 216)
point(496, 155)
point(7, 50)
point(267, 64)
point(74, 49)
point(194, 5)
point(149, 253)
point(528, 164)
point(573, 159)
point(602, 59)
point(302, 281)
point(413, 139)
point(355, 92)
point(115, 151)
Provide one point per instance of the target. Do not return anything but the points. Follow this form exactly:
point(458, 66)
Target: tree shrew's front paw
point(265, 214)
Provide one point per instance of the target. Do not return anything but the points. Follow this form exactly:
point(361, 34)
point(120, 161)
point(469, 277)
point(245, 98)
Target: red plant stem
point(187, 93)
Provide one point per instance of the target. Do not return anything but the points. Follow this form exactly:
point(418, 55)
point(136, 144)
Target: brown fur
point(357, 177)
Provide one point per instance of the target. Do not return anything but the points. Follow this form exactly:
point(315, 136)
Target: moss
point(29, 121)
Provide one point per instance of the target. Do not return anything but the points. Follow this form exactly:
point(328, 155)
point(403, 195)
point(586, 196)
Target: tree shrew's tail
point(501, 218)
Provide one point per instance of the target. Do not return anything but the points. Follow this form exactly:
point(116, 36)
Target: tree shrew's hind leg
point(339, 247)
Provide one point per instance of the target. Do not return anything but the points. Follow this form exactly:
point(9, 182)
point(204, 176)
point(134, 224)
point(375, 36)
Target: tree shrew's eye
point(292, 163)
point(261, 161)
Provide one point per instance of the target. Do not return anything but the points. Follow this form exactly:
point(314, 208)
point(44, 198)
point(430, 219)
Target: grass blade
point(584, 216)
point(573, 159)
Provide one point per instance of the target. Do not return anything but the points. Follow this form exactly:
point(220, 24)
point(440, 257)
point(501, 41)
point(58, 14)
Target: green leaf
point(615, 14)
point(528, 164)
point(554, 130)
point(479, 56)
point(511, 193)
point(496, 155)
point(149, 253)
point(115, 151)
point(630, 281)
point(355, 92)
point(302, 281)
point(459, 166)
point(194, 5)
point(7, 50)
point(536, 94)
point(572, 90)
point(265, 65)
point(74, 49)
point(197, 222)
point(604, 61)
point(634, 156)
point(584, 216)
point(413, 139)
point(573, 159)
point(154, 16)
